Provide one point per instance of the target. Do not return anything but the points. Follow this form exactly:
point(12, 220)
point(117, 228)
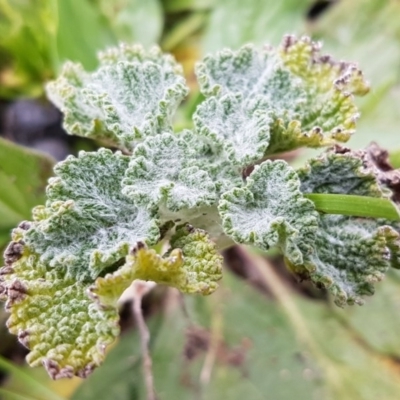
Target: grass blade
point(357, 206)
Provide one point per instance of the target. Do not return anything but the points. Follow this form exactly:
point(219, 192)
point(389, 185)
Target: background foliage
point(262, 335)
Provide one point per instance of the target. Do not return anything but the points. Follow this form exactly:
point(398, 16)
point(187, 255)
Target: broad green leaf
point(377, 323)
point(133, 20)
point(52, 314)
point(366, 172)
point(18, 377)
point(91, 32)
point(23, 176)
point(87, 225)
point(234, 23)
point(259, 348)
point(36, 37)
point(341, 171)
point(271, 211)
point(133, 94)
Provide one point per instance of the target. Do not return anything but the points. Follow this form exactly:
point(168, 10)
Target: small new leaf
point(193, 265)
point(131, 95)
point(271, 211)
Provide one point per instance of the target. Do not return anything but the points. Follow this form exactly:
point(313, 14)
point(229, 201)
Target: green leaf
point(91, 34)
point(243, 127)
point(357, 206)
point(30, 384)
point(193, 265)
point(350, 256)
point(341, 171)
point(23, 176)
point(119, 376)
point(27, 31)
point(280, 99)
point(260, 22)
point(133, 94)
point(285, 335)
point(163, 171)
point(270, 211)
point(133, 21)
point(376, 325)
point(350, 253)
point(87, 225)
point(52, 314)
point(176, 6)
point(356, 29)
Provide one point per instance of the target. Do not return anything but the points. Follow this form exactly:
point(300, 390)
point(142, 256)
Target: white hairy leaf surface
point(271, 211)
point(131, 95)
point(87, 223)
point(272, 100)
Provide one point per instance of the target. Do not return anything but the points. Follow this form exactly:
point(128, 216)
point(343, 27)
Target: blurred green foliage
point(37, 36)
point(239, 342)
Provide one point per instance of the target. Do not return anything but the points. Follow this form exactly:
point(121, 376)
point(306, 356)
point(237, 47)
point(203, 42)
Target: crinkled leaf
point(132, 94)
point(163, 169)
point(357, 29)
point(270, 211)
point(193, 265)
point(52, 314)
point(351, 255)
point(308, 97)
point(88, 224)
point(340, 171)
point(243, 127)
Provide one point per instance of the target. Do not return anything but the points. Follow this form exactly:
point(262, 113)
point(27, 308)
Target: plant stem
point(215, 339)
point(141, 288)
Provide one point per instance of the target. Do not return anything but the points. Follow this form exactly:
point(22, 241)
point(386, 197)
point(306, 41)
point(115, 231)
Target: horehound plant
point(108, 213)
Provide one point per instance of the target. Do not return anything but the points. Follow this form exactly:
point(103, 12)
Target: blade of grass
point(37, 386)
point(357, 206)
point(11, 395)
